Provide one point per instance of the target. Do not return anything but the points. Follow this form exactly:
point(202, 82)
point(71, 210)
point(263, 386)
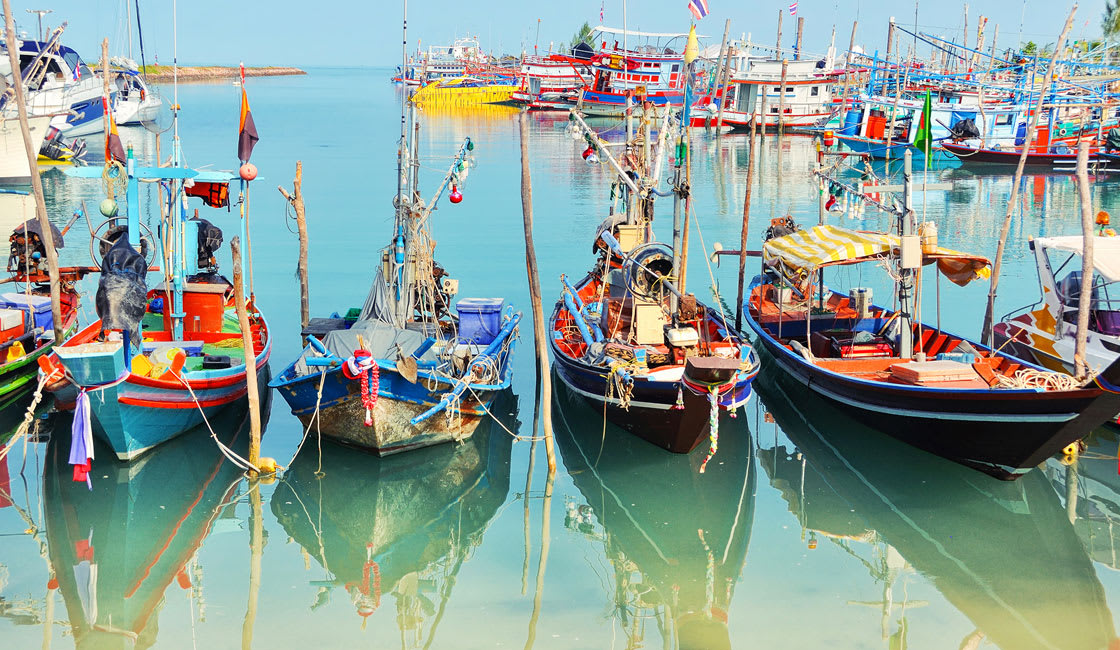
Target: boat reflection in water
point(116, 549)
point(676, 539)
point(1004, 554)
point(400, 525)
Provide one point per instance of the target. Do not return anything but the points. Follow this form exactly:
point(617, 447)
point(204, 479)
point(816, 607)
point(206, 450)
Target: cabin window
point(1003, 119)
point(676, 67)
point(774, 110)
point(777, 89)
point(814, 91)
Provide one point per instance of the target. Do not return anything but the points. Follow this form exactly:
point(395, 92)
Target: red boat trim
point(169, 404)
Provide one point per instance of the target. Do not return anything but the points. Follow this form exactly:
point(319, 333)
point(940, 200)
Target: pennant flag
point(114, 150)
point(699, 8)
point(602, 7)
point(923, 140)
point(793, 9)
point(247, 132)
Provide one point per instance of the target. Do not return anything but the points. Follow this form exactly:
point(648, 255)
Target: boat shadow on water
point(675, 538)
point(1004, 554)
point(117, 546)
point(401, 525)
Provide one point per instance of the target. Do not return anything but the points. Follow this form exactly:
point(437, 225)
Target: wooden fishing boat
point(660, 566)
point(380, 526)
point(1004, 555)
point(935, 390)
point(190, 362)
point(378, 380)
point(123, 545)
point(551, 82)
point(652, 359)
point(1064, 159)
point(656, 73)
point(26, 321)
point(805, 102)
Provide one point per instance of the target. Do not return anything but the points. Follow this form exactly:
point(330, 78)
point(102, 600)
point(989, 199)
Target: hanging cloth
point(81, 440)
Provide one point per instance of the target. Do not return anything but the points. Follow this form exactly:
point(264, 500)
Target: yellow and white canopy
point(804, 251)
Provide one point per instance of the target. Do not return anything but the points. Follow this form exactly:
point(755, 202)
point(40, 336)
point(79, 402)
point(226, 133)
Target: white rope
point(315, 419)
point(29, 416)
point(1039, 379)
point(226, 451)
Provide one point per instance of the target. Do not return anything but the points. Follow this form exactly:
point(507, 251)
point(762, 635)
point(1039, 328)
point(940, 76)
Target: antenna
point(41, 12)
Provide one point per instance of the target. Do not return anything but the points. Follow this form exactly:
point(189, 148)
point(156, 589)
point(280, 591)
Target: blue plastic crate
point(480, 319)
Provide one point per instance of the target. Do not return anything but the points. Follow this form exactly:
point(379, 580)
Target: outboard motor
point(28, 253)
point(122, 291)
point(964, 130)
point(209, 241)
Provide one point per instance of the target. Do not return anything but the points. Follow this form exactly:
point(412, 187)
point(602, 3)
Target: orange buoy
point(248, 172)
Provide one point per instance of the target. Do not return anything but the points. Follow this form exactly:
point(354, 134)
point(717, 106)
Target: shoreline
point(163, 73)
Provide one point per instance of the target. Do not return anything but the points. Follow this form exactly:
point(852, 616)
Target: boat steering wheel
point(113, 227)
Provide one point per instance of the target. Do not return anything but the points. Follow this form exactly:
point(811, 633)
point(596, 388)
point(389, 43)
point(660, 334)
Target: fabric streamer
point(713, 419)
point(81, 440)
point(364, 367)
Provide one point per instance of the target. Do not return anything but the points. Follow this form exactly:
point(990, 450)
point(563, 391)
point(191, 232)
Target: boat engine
point(27, 253)
point(209, 241)
point(964, 130)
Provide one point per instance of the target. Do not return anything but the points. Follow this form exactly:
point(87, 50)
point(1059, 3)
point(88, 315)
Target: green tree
point(1110, 19)
point(1030, 49)
point(583, 35)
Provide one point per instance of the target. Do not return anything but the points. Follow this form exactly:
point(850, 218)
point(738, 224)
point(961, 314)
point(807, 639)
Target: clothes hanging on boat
point(81, 440)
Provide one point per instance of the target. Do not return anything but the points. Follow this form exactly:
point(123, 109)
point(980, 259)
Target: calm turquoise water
point(807, 530)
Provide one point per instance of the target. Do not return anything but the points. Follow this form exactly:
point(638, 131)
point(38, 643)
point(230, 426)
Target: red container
point(204, 306)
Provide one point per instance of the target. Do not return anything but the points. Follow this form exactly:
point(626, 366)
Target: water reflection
point(1090, 488)
point(676, 539)
point(1002, 553)
point(400, 526)
point(115, 550)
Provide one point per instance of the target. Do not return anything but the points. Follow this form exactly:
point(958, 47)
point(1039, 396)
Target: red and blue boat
point(654, 73)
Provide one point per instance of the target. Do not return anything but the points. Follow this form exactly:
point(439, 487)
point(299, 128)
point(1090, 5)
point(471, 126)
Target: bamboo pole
point(782, 100)
point(542, 561)
point(250, 358)
point(296, 199)
point(800, 29)
point(105, 85)
point(986, 331)
point(778, 45)
point(36, 180)
point(256, 551)
point(743, 233)
point(535, 295)
point(725, 83)
point(1087, 238)
point(722, 50)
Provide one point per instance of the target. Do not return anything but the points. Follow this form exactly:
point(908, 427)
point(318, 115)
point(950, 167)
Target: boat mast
point(128, 10)
point(400, 254)
point(176, 207)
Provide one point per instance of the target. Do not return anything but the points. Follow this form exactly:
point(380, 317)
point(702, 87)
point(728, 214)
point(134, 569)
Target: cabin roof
point(1106, 252)
point(805, 251)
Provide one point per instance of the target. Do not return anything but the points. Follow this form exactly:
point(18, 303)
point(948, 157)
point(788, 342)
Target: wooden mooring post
point(36, 180)
point(296, 199)
point(1087, 238)
point(743, 234)
point(250, 357)
point(535, 294)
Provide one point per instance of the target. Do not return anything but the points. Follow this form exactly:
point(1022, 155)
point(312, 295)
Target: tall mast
point(128, 10)
point(404, 126)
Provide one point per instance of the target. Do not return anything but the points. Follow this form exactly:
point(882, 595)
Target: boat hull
point(342, 418)
point(1062, 161)
point(1003, 433)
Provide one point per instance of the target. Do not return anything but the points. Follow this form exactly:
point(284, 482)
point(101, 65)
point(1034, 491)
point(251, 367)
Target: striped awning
point(805, 251)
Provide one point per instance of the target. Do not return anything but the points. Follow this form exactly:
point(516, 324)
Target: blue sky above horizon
point(349, 33)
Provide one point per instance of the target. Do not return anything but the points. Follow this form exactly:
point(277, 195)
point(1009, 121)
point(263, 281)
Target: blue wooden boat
point(405, 372)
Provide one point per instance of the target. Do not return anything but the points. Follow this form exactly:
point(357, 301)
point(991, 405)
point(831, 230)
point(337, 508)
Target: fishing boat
point(804, 100)
point(933, 389)
point(465, 91)
point(1045, 333)
point(135, 101)
point(14, 167)
point(399, 528)
point(123, 545)
point(164, 359)
point(643, 352)
point(1004, 555)
point(551, 82)
point(681, 570)
point(653, 72)
point(1059, 157)
point(403, 371)
point(27, 329)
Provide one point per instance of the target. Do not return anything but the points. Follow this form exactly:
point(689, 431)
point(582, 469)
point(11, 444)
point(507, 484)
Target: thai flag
point(699, 8)
point(793, 8)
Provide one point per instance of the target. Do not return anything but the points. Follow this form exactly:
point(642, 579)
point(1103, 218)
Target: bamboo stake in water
point(36, 180)
point(535, 294)
point(725, 83)
point(250, 357)
point(743, 233)
point(256, 551)
point(986, 331)
point(296, 199)
point(1087, 238)
point(542, 562)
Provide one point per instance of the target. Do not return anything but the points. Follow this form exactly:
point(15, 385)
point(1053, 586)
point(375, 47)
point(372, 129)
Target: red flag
point(114, 150)
point(247, 131)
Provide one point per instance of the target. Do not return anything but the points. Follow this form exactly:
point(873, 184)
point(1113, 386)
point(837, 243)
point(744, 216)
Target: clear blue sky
point(360, 32)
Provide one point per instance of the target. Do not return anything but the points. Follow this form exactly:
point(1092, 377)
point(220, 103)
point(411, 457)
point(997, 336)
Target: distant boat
point(551, 82)
point(135, 102)
point(59, 85)
point(653, 71)
point(805, 101)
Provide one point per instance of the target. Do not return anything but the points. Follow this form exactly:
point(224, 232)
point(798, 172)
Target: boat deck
point(226, 343)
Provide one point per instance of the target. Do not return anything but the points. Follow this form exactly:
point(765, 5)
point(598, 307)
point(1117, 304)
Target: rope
point(29, 416)
point(1038, 379)
point(114, 184)
point(315, 419)
point(226, 451)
